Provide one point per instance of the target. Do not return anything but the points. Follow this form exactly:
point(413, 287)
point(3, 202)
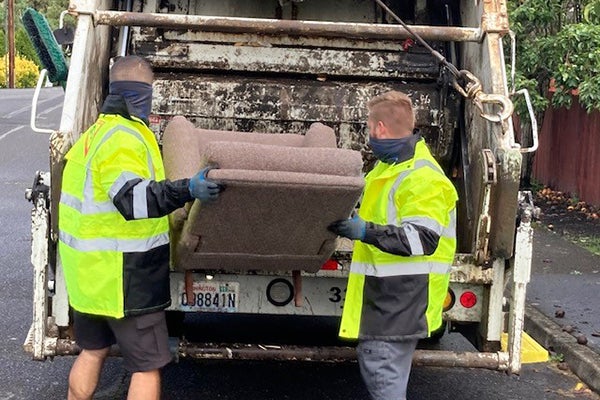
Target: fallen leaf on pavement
point(568, 328)
point(580, 388)
point(581, 339)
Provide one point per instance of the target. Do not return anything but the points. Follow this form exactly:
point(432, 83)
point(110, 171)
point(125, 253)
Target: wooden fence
point(568, 157)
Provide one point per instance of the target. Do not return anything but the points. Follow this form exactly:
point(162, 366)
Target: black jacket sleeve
point(161, 198)
point(394, 240)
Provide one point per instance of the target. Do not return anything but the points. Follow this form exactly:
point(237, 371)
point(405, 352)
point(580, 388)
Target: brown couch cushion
point(282, 190)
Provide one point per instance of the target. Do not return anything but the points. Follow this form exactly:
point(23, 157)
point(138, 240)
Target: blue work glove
point(202, 188)
point(352, 228)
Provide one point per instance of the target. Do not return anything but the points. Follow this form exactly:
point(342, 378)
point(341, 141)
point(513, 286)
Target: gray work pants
point(385, 367)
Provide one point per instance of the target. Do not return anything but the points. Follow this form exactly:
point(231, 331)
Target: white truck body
point(277, 66)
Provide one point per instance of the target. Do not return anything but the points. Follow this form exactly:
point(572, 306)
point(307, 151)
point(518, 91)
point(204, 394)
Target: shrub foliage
point(558, 47)
point(26, 72)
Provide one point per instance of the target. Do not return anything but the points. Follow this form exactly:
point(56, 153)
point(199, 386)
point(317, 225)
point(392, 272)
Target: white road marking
point(11, 131)
point(50, 109)
point(27, 107)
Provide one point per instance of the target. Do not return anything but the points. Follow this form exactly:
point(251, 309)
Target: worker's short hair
point(131, 68)
point(394, 109)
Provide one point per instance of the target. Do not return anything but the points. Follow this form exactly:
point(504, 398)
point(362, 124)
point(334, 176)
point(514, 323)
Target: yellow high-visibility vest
point(93, 235)
point(393, 297)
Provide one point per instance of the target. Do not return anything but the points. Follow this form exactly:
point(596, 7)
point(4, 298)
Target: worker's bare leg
point(144, 385)
point(85, 373)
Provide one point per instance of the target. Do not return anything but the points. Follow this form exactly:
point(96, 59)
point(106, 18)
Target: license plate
point(210, 296)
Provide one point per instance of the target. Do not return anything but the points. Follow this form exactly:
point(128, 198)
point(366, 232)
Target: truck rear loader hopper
point(278, 67)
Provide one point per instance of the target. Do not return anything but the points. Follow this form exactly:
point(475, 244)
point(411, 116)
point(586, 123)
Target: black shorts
point(143, 339)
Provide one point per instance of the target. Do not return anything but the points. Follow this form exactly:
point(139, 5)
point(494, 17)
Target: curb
point(582, 360)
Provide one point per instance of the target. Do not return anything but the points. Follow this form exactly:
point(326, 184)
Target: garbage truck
point(278, 66)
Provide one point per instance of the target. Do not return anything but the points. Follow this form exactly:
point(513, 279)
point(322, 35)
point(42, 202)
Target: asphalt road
point(566, 278)
point(22, 152)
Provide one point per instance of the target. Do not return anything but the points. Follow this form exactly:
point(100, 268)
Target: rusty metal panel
point(149, 34)
point(568, 158)
point(486, 61)
point(495, 16)
point(266, 59)
point(290, 105)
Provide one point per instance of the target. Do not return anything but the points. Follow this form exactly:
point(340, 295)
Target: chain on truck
point(278, 66)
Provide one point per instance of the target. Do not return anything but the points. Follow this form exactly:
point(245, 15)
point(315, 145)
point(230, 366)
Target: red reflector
point(468, 299)
point(330, 265)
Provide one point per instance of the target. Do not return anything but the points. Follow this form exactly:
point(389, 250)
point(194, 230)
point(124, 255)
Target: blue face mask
point(137, 95)
point(389, 150)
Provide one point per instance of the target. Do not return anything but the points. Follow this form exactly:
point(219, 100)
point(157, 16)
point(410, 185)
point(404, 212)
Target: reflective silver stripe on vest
point(93, 208)
point(428, 223)
point(88, 206)
point(414, 240)
point(397, 269)
point(140, 201)
point(120, 182)
point(119, 245)
point(433, 225)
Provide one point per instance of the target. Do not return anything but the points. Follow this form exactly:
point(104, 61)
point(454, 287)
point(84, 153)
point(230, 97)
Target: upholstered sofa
point(281, 192)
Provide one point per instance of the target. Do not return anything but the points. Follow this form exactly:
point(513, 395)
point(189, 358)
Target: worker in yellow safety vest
point(114, 236)
point(405, 234)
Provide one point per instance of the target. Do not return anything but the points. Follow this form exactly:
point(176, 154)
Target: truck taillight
point(330, 265)
point(468, 299)
point(448, 301)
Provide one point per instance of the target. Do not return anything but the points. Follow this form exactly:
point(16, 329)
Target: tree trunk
point(527, 141)
point(527, 164)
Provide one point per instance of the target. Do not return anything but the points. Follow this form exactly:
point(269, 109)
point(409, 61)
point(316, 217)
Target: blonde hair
point(131, 68)
point(395, 110)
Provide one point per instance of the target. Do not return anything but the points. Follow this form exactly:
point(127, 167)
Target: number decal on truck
point(337, 295)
